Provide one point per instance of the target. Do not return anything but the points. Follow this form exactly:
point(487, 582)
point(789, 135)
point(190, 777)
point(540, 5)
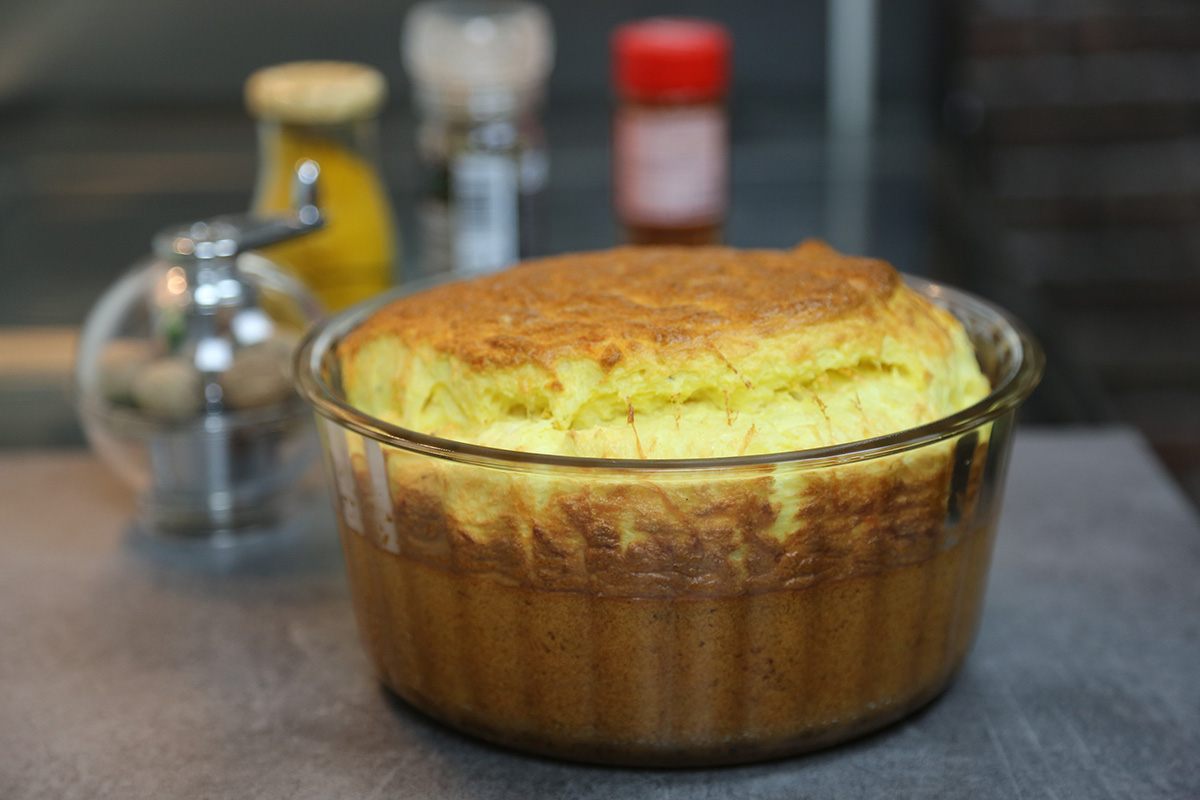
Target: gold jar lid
point(316, 92)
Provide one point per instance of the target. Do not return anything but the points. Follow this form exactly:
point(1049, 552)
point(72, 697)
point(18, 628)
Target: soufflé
point(715, 612)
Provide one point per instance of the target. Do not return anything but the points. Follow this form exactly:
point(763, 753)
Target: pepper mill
point(183, 376)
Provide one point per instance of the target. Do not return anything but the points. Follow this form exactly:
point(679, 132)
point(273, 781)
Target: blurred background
point(1044, 153)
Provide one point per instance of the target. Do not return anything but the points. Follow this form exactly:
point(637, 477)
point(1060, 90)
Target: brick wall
point(1076, 189)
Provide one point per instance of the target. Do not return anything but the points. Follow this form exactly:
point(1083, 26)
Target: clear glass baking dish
point(677, 612)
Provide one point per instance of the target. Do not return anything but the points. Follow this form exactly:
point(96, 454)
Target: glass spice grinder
point(183, 376)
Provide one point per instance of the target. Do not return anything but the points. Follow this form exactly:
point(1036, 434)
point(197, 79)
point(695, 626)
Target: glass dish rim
point(1009, 392)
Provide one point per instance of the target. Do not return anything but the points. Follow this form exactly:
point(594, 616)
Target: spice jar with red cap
point(670, 130)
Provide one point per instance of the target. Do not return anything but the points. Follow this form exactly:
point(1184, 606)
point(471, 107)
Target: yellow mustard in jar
point(327, 111)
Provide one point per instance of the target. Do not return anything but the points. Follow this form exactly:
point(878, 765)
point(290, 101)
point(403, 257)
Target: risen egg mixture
point(665, 353)
point(651, 616)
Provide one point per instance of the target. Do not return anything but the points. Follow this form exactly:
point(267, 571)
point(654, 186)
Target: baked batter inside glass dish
point(669, 506)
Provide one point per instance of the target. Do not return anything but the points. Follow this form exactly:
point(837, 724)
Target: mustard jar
point(326, 111)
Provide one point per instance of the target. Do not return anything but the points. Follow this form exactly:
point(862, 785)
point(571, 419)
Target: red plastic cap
point(667, 57)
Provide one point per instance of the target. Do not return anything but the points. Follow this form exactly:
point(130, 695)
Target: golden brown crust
point(607, 303)
point(654, 353)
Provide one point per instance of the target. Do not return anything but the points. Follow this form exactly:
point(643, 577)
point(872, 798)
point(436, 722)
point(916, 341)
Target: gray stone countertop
point(130, 670)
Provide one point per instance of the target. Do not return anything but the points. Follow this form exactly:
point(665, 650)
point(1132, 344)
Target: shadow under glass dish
point(678, 612)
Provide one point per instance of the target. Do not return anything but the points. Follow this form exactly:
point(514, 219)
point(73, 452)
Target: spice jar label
point(670, 165)
point(484, 188)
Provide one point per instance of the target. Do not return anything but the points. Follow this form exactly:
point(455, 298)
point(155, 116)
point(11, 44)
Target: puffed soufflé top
point(665, 352)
